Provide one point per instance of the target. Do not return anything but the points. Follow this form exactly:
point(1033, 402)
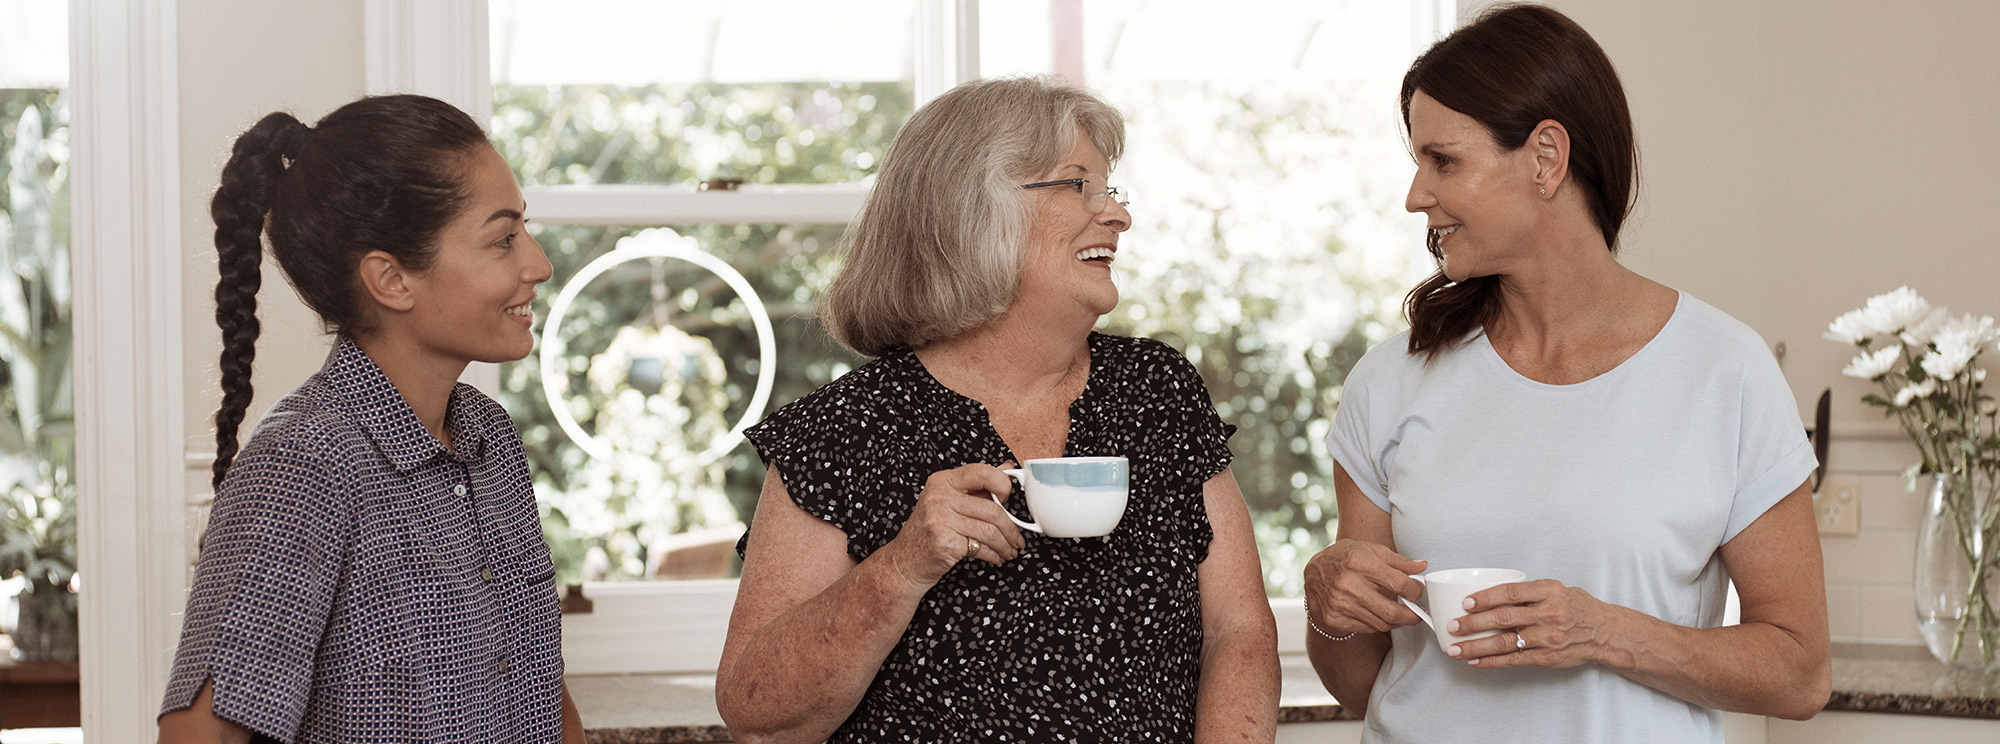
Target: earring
point(1545, 192)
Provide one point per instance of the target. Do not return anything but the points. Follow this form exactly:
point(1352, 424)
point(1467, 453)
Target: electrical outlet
point(1837, 506)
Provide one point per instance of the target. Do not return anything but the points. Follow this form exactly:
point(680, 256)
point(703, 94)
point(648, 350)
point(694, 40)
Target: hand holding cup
point(1353, 586)
point(953, 521)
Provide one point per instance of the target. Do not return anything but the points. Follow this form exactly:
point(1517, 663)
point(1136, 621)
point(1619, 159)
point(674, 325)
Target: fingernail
point(1454, 652)
point(1452, 626)
point(1468, 603)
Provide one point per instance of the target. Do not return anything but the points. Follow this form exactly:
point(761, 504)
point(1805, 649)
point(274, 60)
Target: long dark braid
point(239, 206)
point(384, 173)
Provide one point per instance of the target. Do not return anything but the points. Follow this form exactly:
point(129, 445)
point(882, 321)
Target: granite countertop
point(680, 708)
point(1905, 679)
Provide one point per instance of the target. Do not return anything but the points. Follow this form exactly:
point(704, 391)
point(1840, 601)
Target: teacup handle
point(1021, 476)
point(1425, 616)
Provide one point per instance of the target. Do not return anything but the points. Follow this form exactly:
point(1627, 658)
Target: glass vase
point(1958, 570)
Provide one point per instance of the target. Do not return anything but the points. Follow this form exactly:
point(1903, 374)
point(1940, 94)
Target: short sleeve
point(1773, 456)
point(1358, 441)
point(1189, 442)
point(271, 564)
point(816, 443)
point(1189, 410)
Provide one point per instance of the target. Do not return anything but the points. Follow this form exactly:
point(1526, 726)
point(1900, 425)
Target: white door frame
point(126, 259)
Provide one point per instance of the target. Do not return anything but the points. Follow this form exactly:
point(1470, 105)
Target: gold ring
point(971, 549)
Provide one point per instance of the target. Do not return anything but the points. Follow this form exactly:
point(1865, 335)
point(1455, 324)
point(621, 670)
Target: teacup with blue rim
point(1073, 496)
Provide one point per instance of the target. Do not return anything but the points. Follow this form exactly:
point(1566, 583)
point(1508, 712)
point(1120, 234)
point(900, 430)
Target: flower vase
point(1958, 570)
point(46, 630)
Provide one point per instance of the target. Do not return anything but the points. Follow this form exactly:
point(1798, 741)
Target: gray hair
point(938, 247)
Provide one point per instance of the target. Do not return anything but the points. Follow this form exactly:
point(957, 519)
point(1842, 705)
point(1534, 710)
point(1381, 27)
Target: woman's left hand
point(1542, 623)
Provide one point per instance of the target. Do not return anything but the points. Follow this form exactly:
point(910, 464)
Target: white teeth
point(1098, 252)
point(525, 310)
point(1443, 231)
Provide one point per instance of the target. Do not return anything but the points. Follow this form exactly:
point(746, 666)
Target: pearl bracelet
point(1315, 628)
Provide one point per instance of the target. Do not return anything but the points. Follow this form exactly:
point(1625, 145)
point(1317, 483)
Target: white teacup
point(1073, 496)
point(1445, 592)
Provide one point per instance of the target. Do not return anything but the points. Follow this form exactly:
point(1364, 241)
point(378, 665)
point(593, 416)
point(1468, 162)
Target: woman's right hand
point(1352, 585)
point(953, 510)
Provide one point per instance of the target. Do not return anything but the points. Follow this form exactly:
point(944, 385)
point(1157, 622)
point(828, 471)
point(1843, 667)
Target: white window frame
point(439, 48)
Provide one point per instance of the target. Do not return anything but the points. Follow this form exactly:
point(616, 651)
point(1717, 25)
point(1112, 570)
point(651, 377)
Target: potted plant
point(1930, 381)
point(38, 542)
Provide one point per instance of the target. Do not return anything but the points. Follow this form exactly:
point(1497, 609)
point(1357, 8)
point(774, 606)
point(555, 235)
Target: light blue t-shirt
point(1625, 485)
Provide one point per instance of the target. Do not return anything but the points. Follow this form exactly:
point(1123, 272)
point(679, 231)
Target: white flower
point(1892, 312)
point(1956, 343)
point(1918, 334)
point(1850, 328)
point(1889, 313)
point(1872, 365)
point(1915, 391)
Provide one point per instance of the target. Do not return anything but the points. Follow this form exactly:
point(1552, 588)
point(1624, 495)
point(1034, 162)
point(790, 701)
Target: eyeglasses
point(1093, 200)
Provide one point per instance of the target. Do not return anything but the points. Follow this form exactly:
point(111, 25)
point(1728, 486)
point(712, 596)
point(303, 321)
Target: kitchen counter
point(680, 708)
point(1905, 679)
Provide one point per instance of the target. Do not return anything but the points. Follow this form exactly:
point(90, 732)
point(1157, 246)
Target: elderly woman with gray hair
point(885, 595)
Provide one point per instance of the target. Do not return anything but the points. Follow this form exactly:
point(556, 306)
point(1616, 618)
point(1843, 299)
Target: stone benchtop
point(680, 708)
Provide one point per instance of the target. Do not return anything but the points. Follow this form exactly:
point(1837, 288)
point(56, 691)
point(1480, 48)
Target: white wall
point(240, 60)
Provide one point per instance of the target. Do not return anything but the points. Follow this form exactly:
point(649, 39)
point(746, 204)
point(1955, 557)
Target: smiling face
point(1479, 200)
point(1070, 250)
point(474, 302)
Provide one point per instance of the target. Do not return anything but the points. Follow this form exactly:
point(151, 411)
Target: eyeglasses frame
point(1111, 193)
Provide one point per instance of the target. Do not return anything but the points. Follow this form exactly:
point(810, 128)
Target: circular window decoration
point(649, 244)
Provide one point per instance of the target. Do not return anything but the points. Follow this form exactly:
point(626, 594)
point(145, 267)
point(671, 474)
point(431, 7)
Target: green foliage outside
point(1246, 254)
point(790, 133)
point(37, 423)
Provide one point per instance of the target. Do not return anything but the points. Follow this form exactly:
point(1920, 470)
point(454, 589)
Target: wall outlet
point(1837, 506)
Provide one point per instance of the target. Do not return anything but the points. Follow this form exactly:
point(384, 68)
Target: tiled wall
point(1868, 576)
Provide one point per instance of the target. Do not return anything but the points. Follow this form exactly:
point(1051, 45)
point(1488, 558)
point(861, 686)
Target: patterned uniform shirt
point(360, 583)
point(1092, 639)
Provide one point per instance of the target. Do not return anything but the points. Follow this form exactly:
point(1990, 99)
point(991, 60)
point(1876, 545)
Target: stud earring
point(1545, 192)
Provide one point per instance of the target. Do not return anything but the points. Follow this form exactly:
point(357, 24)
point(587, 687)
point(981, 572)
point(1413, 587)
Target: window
point(1270, 244)
point(37, 433)
point(741, 131)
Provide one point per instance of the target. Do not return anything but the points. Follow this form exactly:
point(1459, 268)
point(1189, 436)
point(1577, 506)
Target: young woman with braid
point(373, 568)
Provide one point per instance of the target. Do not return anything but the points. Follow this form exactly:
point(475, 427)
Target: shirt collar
point(385, 416)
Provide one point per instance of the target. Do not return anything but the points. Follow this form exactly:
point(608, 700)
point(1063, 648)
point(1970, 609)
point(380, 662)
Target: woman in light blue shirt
point(1627, 446)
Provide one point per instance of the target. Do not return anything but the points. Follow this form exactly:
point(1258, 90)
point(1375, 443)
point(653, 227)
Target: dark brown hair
point(385, 173)
point(1510, 70)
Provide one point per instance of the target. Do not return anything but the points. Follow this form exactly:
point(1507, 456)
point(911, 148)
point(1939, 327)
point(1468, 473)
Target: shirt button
point(502, 666)
point(486, 573)
point(458, 489)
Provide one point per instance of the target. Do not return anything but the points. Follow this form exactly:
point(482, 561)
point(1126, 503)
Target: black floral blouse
point(1077, 640)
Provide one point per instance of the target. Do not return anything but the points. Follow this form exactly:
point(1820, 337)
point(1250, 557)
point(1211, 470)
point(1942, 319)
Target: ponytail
point(239, 207)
